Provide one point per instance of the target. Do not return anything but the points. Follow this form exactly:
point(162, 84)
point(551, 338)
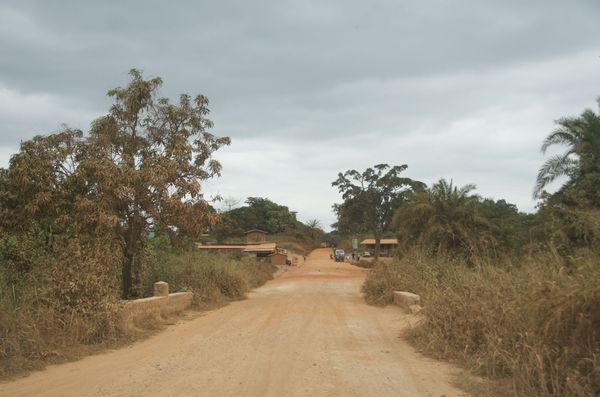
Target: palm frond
point(465, 190)
point(553, 168)
point(563, 135)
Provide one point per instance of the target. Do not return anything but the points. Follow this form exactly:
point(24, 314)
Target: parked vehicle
point(340, 255)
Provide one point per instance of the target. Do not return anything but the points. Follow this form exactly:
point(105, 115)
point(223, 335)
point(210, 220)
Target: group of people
point(355, 257)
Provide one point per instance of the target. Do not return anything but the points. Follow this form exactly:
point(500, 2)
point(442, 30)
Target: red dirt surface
point(306, 333)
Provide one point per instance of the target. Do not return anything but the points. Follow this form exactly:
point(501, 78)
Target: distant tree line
point(264, 214)
point(452, 220)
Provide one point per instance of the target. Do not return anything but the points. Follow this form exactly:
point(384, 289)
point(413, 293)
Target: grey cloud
point(273, 47)
point(464, 89)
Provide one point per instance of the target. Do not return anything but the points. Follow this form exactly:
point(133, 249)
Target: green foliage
point(569, 217)
point(370, 199)
point(313, 226)
point(259, 213)
point(446, 220)
point(332, 239)
point(511, 228)
point(350, 217)
point(580, 163)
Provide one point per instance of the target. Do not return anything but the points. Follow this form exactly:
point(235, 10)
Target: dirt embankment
point(306, 333)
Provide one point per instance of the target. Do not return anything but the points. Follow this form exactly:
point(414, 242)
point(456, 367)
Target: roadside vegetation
point(533, 326)
point(67, 305)
point(77, 213)
point(514, 297)
point(213, 278)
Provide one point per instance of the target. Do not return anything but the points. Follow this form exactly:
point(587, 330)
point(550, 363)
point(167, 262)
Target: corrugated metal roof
point(248, 248)
point(265, 247)
point(383, 241)
point(221, 246)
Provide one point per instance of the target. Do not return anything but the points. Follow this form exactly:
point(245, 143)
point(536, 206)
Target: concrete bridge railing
point(162, 304)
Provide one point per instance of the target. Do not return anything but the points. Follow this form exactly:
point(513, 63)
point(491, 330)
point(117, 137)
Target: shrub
point(383, 280)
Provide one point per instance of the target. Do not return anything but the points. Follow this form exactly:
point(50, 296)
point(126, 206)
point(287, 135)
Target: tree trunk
point(131, 253)
point(126, 275)
point(377, 247)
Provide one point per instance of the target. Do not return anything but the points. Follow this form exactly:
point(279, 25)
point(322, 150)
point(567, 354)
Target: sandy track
point(306, 333)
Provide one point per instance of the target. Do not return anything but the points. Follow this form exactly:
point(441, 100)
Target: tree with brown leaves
point(140, 168)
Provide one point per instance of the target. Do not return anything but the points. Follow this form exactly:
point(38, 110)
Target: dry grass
point(67, 306)
point(536, 324)
point(35, 330)
point(211, 277)
point(55, 304)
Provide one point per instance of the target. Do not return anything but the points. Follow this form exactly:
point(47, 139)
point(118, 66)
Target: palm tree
point(445, 220)
point(314, 228)
point(581, 136)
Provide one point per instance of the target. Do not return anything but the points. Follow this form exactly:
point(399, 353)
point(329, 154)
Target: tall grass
point(57, 306)
point(212, 277)
point(63, 306)
point(536, 324)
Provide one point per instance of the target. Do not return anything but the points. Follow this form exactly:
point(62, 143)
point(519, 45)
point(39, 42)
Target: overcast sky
point(456, 89)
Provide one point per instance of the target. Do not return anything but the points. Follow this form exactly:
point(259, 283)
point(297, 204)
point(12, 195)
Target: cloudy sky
point(456, 89)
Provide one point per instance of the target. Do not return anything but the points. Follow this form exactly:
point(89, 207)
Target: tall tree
point(350, 217)
point(149, 157)
point(371, 197)
point(139, 168)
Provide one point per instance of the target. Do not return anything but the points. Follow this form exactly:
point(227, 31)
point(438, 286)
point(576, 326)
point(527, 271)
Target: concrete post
point(161, 288)
point(406, 299)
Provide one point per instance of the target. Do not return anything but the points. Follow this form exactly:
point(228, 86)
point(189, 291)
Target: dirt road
point(306, 333)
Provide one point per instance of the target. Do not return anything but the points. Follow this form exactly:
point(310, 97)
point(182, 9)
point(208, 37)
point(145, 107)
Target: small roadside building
point(262, 251)
point(255, 245)
point(388, 245)
point(279, 258)
point(256, 236)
